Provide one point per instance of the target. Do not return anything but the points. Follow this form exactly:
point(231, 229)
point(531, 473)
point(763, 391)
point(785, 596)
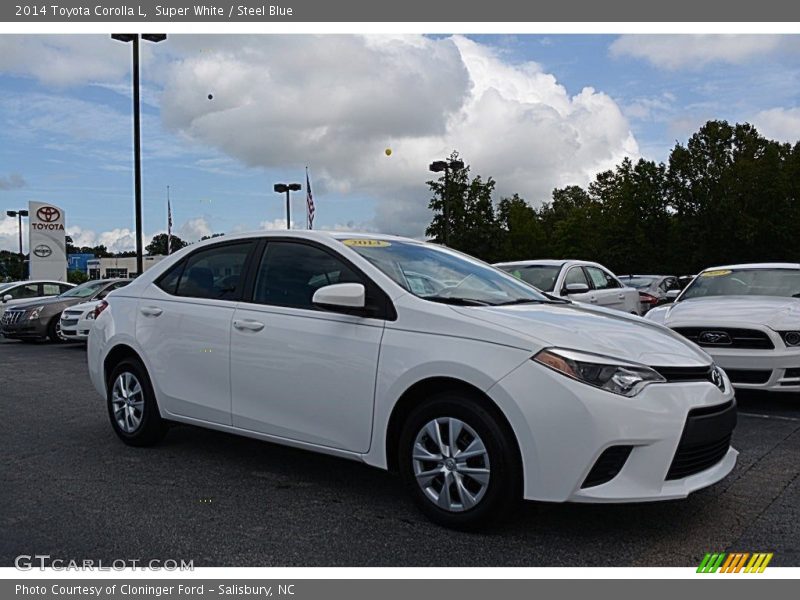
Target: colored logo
point(48, 214)
point(735, 562)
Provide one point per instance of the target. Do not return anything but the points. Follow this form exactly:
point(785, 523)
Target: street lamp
point(19, 214)
point(438, 166)
point(281, 188)
point(137, 131)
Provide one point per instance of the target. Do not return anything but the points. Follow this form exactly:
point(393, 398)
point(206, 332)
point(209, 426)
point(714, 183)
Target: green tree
point(158, 245)
point(77, 277)
point(471, 224)
point(522, 235)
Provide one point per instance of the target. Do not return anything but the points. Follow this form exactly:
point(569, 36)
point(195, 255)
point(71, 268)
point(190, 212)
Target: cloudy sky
point(534, 112)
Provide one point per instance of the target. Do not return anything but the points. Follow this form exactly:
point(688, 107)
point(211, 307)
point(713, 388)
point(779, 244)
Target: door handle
point(593, 299)
point(248, 325)
point(150, 311)
point(621, 296)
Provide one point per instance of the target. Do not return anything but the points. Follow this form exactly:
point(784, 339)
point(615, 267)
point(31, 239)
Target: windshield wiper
point(521, 301)
point(457, 301)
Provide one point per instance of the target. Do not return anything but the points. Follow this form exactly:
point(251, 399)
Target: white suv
point(476, 387)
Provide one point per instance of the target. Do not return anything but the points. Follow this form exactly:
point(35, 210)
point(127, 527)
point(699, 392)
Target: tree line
point(728, 195)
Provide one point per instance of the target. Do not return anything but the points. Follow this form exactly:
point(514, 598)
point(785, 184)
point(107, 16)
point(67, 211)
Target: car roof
point(38, 281)
point(775, 265)
point(544, 262)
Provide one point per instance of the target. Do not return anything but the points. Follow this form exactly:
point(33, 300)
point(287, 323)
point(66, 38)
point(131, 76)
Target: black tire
point(504, 491)
point(53, 330)
point(151, 427)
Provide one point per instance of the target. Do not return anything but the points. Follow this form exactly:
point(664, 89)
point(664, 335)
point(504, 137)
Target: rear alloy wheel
point(459, 462)
point(132, 406)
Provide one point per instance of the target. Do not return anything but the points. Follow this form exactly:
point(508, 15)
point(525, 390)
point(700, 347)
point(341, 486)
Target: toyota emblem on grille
point(48, 214)
point(717, 338)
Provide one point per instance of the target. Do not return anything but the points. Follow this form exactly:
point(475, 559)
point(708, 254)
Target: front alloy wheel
point(459, 460)
point(451, 464)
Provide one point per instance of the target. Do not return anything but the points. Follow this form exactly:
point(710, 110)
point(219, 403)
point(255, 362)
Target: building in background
point(79, 262)
point(118, 266)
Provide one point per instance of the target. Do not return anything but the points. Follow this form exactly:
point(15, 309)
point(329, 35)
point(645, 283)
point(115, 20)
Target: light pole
point(438, 166)
point(282, 188)
point(19, 214)
point(137, 132)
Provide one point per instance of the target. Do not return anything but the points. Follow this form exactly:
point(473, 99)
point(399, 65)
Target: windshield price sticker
point(717, 273)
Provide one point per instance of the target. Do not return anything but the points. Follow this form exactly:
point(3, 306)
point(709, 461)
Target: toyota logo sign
point(43, 251)
point(48, 214)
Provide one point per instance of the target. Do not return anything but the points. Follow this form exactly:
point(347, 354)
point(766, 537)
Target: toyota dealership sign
point(48, 242)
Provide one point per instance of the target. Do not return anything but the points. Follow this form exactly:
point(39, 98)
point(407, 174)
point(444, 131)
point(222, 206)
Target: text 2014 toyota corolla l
point(476, 387)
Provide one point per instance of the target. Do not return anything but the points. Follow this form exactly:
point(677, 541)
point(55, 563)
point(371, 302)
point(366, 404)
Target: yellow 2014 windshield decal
point(366, 243)
point(717, 273)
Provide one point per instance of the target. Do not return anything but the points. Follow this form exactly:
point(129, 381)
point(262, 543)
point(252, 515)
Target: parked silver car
point(653, 289)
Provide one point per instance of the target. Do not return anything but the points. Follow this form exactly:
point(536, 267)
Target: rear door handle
point(150, 311)
point(248, 325)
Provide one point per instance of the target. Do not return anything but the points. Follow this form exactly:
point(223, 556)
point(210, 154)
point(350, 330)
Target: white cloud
point(9, 234)
point(65, 60)
point(193, 229)
point(336, 102)
point(781, 124)
point(115, 240)
point(14, 181)
point(694, 51)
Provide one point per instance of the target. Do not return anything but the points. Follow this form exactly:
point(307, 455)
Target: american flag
point(169, 225)
point(309, 203)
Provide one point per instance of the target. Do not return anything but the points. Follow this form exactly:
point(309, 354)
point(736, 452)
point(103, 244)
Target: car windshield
point(84, 290)
point(638, 282)
point(542, 277)
point(745, 282)
point(442, 275)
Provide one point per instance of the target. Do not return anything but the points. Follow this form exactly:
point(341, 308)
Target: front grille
point(726, 337)
point(675, 374)
point(792, 373)
point(748, 375)
point(68, 322)
point(705, 440)
point(10, 317)
point(607, 466)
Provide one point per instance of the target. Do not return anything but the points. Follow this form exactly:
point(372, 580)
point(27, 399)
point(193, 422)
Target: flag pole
point(169, 225)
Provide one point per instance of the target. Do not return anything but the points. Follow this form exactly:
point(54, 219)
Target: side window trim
point(255, 244)
point(386, 310)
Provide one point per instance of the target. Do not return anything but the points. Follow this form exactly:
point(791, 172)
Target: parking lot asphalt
point(69, 488)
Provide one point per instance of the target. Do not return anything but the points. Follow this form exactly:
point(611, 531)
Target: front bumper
point(76, 329)
point(24, 329)
point(770, 370)
point(564, 426)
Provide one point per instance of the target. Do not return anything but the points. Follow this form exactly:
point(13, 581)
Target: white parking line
point(760, 416)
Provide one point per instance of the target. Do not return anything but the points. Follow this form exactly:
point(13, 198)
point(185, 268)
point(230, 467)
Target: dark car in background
point(653, 289)
point(40, 320)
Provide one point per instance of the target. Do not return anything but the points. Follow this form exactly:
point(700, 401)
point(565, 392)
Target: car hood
point(774, 312)
point(601, 331)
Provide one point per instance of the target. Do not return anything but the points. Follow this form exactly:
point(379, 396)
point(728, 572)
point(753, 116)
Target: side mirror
point(341, 295)
point(7, 297)
point(577, 288)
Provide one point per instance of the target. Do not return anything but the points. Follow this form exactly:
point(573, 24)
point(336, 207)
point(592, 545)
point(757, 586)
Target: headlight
point(34, 314)
point(610, 374)
point(89, 316)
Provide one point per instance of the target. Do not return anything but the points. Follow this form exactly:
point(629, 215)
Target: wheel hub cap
point(127, 402)
point(451, 464)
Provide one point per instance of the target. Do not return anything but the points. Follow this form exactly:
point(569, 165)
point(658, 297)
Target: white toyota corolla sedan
point(477, 388)
point(748, 318)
